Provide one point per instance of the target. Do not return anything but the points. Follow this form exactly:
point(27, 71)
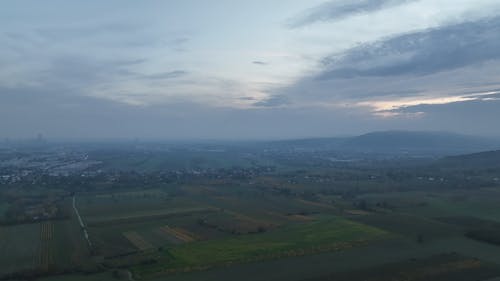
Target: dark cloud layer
point(421, 53)
point(339, 9)
point(451, 60)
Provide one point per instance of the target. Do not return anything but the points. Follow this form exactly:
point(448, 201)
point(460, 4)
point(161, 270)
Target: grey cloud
point(464, 81)
point(247, 98)
point(103, 34)
point(260, 62)
point(273, 101)
point(129, 62)
point(167, 75)
point(178, 44)
point(339, 9)
point(453, 60)
point(78, 71)
point(13, 35)
point(421, 53)
point(88, 30)
point(69, 77)
point(21, 43)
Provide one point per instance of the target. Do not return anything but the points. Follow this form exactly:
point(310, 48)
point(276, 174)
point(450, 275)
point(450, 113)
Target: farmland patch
point(297, 240)
point(178, 234)
point(46, 258)
point(137, 240)
point(22, 243)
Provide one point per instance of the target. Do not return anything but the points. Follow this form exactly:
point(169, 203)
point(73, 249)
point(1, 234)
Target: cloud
point(260, 62)
point(71, 32)
point(273, 101)
point(83, 73)
point(443, 63)
point(393, 106)
point(178, 44)
point(478, 116)
point(167, 75)
point(247, 98)
point(185, 74)
point(420, 53)
point(339, 9)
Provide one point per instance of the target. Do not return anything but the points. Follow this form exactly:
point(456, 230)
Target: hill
point(425, 142)
point(397, 142)
point(481, 160)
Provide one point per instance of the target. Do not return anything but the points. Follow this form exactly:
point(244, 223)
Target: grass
point(411, 226)
point(3, 208)
point(119, 205)
point(69, 248)
point(83, 277)
point(478, 203)
point(295, 240)
point(437, 267)
point(22, 243)
point(477, 229)
point(364, 257)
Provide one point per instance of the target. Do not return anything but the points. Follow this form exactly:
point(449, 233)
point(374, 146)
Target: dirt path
point(82, 225)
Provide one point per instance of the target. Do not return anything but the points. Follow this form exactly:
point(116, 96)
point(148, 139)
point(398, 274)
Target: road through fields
point(82, 225)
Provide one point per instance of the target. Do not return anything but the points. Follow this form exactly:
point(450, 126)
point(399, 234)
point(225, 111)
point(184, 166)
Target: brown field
point(357, 212)
point(179, 233)
point(137, 240)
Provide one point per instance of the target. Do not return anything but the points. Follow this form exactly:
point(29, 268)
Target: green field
point(23, 244)
point(387, 255)
point(325, 235)
point(3, 208)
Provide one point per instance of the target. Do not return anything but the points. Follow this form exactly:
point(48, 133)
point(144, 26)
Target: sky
point(234, 69)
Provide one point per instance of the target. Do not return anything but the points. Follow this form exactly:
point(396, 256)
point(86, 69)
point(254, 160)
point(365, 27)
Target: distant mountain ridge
point(487, 159)
point(420, 141)
point(397, 142)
